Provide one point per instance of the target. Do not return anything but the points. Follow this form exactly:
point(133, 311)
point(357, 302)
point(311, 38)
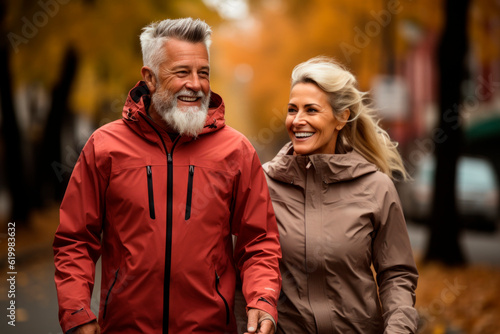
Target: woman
point(338, 212)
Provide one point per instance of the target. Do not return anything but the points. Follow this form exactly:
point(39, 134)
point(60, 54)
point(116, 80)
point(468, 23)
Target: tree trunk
point(11, 136)
point(51, 183)
point(445, 228)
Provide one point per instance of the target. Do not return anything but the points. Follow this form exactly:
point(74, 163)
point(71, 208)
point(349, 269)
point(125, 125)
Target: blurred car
point(477, 193)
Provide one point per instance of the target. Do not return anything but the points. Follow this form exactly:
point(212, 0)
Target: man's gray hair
point(156, 34)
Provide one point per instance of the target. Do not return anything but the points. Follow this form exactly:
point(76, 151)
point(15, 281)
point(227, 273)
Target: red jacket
point(166, 211)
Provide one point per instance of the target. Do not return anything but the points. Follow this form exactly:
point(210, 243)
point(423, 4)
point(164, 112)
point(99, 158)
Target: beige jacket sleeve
point(395, 266)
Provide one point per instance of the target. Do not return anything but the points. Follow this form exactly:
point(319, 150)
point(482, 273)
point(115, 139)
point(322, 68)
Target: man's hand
point(90, 328)
point(259, 322)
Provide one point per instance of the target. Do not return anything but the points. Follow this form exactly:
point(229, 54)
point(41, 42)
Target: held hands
point(259, 322)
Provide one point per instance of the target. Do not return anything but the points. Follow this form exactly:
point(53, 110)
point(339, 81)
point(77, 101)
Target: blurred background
point(433, 68)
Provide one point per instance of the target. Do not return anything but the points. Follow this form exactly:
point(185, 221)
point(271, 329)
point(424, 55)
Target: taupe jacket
point(337, 216)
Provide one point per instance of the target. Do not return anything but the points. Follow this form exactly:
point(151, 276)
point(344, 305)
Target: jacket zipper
point(168, 241)
point(150, 193)
point(168, 248)
point(109, 294)
point(189, 193)
point(217, 279)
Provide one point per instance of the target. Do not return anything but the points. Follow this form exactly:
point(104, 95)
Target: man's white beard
point(187, 121)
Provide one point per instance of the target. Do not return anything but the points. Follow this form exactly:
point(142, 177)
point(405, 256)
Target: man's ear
point(149, 78)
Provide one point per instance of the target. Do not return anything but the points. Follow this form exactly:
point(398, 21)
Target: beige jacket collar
point(289, 168)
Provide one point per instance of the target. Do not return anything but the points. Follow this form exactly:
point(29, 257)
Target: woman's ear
point(149, 78)
point(345, 116)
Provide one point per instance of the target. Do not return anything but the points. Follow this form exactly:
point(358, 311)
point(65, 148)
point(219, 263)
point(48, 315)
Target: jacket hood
point(139, 101)
point(289, 168)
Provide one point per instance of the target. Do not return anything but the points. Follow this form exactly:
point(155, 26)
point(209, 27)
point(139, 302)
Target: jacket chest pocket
point(189, 198)
point(206, 195)
point(151, 199)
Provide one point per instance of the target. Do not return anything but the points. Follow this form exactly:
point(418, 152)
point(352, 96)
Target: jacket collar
point(289, 168)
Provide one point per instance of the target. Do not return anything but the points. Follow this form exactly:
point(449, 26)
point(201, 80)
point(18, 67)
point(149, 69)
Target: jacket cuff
point(403, 319)
point(72, 319)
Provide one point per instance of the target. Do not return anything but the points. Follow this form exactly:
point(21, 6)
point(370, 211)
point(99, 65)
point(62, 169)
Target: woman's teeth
point(303, 134)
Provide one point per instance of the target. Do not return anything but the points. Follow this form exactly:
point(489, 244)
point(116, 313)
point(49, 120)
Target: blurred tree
point(11, 136)
point(444, 243)
point(50, 183)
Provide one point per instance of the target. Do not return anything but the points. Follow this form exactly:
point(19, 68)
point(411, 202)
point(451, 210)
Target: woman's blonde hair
point(361, 132)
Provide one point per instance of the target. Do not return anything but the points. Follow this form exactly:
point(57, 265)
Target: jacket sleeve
point(395, 266)
point(257, 249)
point(77, 241)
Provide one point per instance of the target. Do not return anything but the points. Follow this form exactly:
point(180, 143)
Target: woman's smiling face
point(310, 121)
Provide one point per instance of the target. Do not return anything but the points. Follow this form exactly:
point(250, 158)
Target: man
point(159, 194)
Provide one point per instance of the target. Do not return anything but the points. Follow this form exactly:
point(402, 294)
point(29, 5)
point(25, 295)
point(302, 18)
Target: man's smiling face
point(186, 69)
